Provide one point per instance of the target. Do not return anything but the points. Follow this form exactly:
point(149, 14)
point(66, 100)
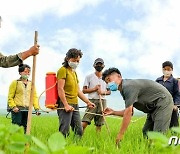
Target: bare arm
point(85, 99)
point(34, 50)
point(119, 113)
point(109, 111)
point(126, 120)
point(106, 92)
point(97, 89)
point(89, 90)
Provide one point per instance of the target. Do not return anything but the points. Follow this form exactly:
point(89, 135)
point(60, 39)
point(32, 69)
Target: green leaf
point(2, 133)
point(63, 151)
point(158, 137)
point(2, 127)
point(16, 147)
point(56, 142)
point(18, 138)
point(2, 152)
point(35, 150)
point(40, 144)
point(176, 129)
point(15, 128)
point(77, 149)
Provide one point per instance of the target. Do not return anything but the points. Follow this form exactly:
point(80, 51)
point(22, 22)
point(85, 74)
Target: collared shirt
point(10, 61)
point(143, 94)
point(172, 86)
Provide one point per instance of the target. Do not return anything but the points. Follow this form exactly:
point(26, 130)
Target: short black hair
point(167, 63)
point(22, 67)
point(110, 71)
point(72, 53)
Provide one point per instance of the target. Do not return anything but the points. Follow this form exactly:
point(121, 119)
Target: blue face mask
point(113, 86)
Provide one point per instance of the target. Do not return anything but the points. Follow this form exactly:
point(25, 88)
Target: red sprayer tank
point(51, 90)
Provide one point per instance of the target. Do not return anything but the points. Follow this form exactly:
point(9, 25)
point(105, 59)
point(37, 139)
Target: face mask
point(167, 73)
point(25, 77)
point(113, 86)
point(98, 68)
point(73, 65)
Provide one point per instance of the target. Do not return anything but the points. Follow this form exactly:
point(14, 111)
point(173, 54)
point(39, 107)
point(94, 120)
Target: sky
point(136, 36)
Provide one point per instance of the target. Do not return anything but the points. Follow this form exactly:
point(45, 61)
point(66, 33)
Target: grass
point(102, 143)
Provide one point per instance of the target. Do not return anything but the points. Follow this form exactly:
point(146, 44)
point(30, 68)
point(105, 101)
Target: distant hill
point(114, 101)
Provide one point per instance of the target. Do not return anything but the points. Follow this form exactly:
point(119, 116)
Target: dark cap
point(99, 60)
point(167, 63)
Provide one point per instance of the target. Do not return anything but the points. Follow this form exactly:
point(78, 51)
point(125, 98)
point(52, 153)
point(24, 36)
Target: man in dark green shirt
point(145, 95)
point(14, 60)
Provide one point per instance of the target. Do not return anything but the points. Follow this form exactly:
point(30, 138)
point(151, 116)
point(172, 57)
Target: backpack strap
point(8, 108)
point(16, 86)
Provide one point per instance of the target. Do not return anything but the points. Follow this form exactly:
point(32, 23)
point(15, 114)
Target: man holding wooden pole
point(96, 89)
point(32, 88)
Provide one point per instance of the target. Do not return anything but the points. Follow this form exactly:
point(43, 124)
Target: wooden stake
point(32, 89)
point(103, 115)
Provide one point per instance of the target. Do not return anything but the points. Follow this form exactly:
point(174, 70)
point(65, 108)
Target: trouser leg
point(64, 121)
point(16, 118)
point(76, 122)
point(24, 120)
point(174, 119)
point(162, 115)
point(148, 126)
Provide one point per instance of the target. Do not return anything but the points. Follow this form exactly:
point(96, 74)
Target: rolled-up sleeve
point(10, 61)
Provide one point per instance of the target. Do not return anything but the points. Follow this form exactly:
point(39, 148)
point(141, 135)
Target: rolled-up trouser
point(159, 119)
point(67, 119)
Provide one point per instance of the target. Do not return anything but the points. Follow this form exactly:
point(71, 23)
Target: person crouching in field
point(145, 95)
point(168, 81)
point(96, 88)
point(68, 92)
point(19, 97)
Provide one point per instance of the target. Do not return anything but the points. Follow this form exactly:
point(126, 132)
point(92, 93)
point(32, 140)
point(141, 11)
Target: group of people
point(159, 99)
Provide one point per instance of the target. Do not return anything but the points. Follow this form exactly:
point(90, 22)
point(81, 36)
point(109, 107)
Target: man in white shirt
point(95, 87)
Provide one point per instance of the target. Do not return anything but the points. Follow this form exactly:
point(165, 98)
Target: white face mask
point(73, 65)
point(167, 73)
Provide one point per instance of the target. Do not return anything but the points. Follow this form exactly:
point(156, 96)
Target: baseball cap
point(167, 63)
point(99, 60)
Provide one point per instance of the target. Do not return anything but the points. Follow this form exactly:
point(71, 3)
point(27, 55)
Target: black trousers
point(174, 119)
point(67, 119)
point(20, 118)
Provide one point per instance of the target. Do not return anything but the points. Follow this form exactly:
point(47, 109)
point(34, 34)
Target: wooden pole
point(108, 130)
point(32, 89)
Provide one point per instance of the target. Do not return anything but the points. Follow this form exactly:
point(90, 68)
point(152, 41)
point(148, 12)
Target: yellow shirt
point(19, 95)
point(71, 84)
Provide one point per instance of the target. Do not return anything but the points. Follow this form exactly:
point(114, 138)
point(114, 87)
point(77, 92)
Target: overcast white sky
point(134, 35)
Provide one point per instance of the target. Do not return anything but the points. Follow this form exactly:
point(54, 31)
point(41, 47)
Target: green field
point(102, 143)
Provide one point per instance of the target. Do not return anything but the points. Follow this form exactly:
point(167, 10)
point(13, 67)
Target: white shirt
point(91, 81)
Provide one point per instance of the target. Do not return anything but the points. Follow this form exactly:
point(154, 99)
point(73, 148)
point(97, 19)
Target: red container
point(51, 90)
